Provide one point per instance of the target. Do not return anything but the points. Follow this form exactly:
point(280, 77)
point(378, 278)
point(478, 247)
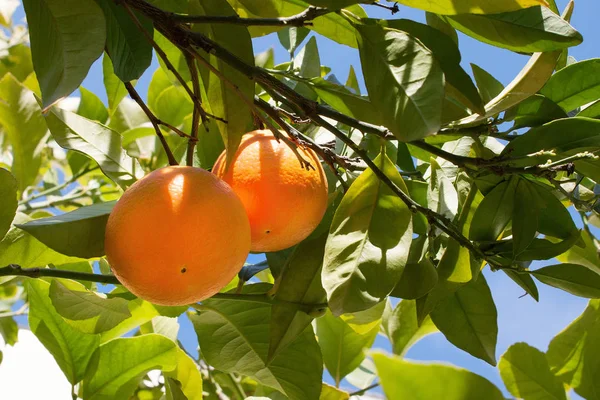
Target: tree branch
point(153, 120)
point(17, 270)
point(301, 19)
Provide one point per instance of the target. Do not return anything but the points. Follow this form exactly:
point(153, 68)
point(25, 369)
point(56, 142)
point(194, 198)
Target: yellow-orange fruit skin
point(284, 201)
point(177, 236)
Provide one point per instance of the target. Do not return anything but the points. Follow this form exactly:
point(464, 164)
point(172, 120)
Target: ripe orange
point(284, 201)
point(177, 236)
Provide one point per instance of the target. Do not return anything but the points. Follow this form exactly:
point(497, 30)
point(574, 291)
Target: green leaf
point(342, 100)
point(402, 328)
point(82, 305)
point(525, 281)
point(530, 80)
point(299, 282)
point(494, 212)
point(188, 376)
point(524, 217)
point(409, 380)
point(575, 85)
point(117, 365)
point(308, 62)
point(128, 48)
point(441, 194)
point(67, 36)
point(418, 279)
point(100, 143)
point(536, 110)
point(526, 374)
point(19, 247)
point(368, 242)
point(78, 233)
point(586, 255)
point(128, 115)
point(333, 4)
point(574, 353)
point(332, 393)
point(553, 218)
point(291, 37)
point(230, 331)
point(435, 21)
point(468, 319)
point(19, 112)
point(175, 56)
point(572, 278)
point(20, 64)
point(8, 194)
point(172, 105)
point(489, 87)
point(404, 81)
point(593, 111)
point(70, 348)
point(9, 330)
point(91, 107)
point(342, 344)
point(115, 89)
point(352, 81)
point(448, 56)
point(224, 102)
point(535, 29)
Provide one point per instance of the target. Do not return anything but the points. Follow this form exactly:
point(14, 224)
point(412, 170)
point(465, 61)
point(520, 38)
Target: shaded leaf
point(368, 242)
point(535, 111)
point(19, 247)
point(115, 89)
point(572, 278)
point(468, 319)
point(67, 36)
point(292, 37)
point(524, 217)
point(78, 233)
point(489, 87)
point(404, 81)
point(91, 107)
point(494, 212)
point(525, 281)
point(229, 331)
point(300, 282)
point(128, 48)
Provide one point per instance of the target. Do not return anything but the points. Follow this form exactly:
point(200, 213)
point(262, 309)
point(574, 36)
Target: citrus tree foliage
point(433, 177)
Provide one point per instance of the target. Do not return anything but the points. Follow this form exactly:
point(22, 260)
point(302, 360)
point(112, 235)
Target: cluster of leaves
point(424, 192)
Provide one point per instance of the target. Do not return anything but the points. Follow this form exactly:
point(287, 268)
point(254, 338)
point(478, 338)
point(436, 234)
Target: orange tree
point(432, 178)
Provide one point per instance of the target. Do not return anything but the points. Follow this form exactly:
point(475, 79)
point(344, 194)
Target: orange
point(284, 201)
point(177, 236)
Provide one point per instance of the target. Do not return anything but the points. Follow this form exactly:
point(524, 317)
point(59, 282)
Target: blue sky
point(519, 319)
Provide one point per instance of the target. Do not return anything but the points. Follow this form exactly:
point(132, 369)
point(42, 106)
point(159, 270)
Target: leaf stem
point(197, 110)
point(365, 390)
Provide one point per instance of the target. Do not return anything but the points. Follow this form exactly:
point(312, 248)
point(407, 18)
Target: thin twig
point(365, 390)
point(56, 188)
point(301, 19)
point(153, 120)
